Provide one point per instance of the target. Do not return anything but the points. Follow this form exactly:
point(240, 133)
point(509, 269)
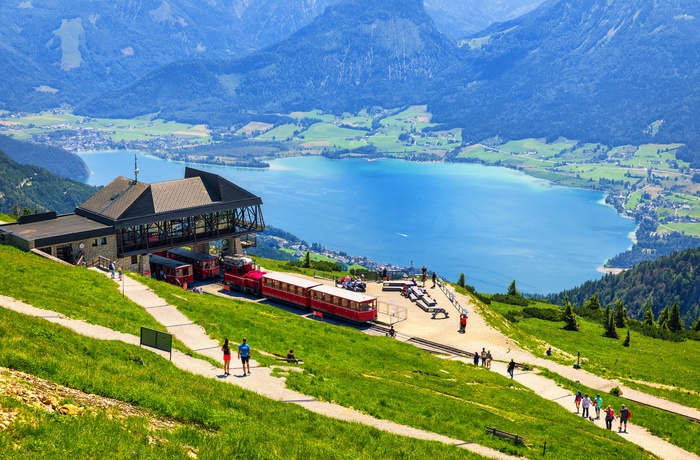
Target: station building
point(128, 219)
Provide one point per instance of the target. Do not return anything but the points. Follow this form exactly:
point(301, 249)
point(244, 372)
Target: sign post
point(157, 339)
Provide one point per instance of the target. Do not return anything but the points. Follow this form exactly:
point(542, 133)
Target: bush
point(513, 316)
point(511, 299)
point(547, 314)
point(615, 391)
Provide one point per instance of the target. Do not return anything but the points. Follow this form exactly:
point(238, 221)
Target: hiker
point(577, 400)
point(434, 279)
point(392, 332)
point(483, 356)
point(111, 268)
point(609, 417)
point(511, 367)
point(290, 356)
point(424, 270)
point(476, 358)
point(489, 358)
point(625, 415)
point(586, 403)
point(121, 274)
point(598, 404)
point(244, 354)
point(226, 349)
point(462, 323)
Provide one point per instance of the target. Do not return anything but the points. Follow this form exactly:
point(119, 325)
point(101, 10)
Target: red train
point(240, 273)
point(204, 265)
point(172, 271)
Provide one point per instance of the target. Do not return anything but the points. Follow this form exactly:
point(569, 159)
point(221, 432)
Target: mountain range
point(611, 72)
point(55, 52)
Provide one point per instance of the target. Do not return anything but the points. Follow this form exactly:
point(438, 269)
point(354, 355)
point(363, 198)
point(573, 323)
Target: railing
point(391, 313)
point(99, 262)
point(451, 296)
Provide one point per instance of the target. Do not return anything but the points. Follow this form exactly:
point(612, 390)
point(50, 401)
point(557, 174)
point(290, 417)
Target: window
point(94, 243)
point(134, 259)
point(103, 240)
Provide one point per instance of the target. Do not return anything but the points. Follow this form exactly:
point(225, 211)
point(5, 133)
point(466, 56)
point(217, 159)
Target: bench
point(413, 297)
point(438, 311)
point(392, 285)
point(505, 434)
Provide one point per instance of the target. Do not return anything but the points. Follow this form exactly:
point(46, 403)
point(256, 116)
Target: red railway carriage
point(204, 265)
point(241, 274)
point(341, 302)
point(288, 288)
point(172, 271)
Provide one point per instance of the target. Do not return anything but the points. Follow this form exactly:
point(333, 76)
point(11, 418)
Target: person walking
point(489, 358)
point(462, 323)
point(625, 415)
point(111, 268)
point(476, 358)
point(424, 271)
point(598, 404)
point(577, 400)
point(609, 417)
point(226, 349)
point(483, 356)
point(121, 273)
point(511, 368)
point(244, 355)
point(586, 403)
point(434, 279)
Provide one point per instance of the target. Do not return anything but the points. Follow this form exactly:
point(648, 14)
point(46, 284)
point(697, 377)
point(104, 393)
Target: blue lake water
point(493, 224)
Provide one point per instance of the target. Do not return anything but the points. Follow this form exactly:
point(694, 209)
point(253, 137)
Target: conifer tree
point(626, 343)
point(593, 303)
point(696, 325)
point(461, 282)
point(307, 260)
point(512, 290)
point(675, 322)
point(663, 317)
point(620, 314)
point(610, 328)
point(648, 316)
point(570, 319)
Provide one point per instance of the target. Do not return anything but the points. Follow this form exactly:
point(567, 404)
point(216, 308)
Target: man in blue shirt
point(244, 354)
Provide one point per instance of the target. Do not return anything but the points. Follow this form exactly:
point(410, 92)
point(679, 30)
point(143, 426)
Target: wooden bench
point(505, 434)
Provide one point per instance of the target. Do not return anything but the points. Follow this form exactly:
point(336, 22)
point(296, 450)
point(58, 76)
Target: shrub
point(615, 391)
point(547, 314)
point(511, 300)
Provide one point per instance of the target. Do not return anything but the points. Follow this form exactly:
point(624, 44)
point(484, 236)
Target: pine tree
point(675, 322)
point(648, 316)
point(626, 343)
point(620, 314)
point(461, 282)
point(512, 290)
point(570, 319)
point(307, 260)
point(663, 317)
point(593, 303)
point(610, 328)
point(696, 325)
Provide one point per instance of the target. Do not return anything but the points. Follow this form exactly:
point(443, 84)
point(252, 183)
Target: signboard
point(157, 339)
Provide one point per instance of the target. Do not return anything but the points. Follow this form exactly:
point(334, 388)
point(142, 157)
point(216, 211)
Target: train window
point(344, 303)
point(335, 301)
point(284, 287)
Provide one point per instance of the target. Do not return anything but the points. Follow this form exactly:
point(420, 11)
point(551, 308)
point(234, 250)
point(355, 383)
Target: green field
point(379, 376)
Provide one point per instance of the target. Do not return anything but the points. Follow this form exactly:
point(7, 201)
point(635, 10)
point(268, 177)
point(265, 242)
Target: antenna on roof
point(136, 170)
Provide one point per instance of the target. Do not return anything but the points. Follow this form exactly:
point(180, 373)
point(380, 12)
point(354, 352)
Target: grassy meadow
point(376, 375)
point(663, 368)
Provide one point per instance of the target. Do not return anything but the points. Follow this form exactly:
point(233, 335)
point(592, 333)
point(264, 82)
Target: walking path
point(260, 381)
point(480, 334)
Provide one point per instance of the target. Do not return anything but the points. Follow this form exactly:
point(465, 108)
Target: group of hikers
point(485, 358)
point(583, 404)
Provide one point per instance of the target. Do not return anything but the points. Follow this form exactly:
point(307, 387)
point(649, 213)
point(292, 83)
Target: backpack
point(629, 414)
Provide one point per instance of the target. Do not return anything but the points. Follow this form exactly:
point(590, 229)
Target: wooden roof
point(126, 202)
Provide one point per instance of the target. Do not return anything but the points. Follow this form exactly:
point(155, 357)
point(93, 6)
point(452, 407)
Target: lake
point(493, 224)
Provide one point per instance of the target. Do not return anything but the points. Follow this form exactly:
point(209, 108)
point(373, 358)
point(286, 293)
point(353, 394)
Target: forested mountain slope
point(612, 72)
point(58, 161)
point(674, 278)
point(358, 53)
point(35, 188)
